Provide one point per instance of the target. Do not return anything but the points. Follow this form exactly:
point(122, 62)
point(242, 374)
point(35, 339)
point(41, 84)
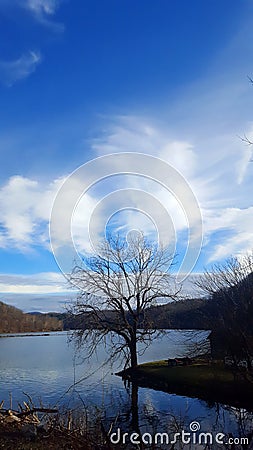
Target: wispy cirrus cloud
point(217, 168)
point(20, 68)
point(225, 201)
point(43, 11)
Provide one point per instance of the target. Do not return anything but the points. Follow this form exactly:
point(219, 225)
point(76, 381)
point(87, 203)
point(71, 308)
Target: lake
point(48, 367)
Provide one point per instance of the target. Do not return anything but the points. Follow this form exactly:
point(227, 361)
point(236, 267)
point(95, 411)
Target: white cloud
point(137, 134)
point(26, 206)
point(43, 11)
point(212, 169)
point(41, 283)
point(235, 228)
point(42, 6)
point(216, 165)
point(25, 211)
point(213, 176)
point(19, 69)
point(133, 134)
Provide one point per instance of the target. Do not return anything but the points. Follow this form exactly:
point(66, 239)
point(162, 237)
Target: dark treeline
point(184, 314)
point(230, 308)
point(13, 320)
point(229, 311)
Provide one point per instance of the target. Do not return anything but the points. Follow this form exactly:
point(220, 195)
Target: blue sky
point(82, 79)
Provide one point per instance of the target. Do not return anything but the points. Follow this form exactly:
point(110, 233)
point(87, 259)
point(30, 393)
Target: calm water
point(46, 367)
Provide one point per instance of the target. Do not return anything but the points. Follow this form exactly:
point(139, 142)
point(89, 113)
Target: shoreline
point(212, 382)
point(28, 334)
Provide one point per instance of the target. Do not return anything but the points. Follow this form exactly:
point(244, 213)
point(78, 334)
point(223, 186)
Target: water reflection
point(48, 368)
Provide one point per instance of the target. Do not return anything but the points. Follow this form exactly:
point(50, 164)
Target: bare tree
point(229, 311)
point(116, 289)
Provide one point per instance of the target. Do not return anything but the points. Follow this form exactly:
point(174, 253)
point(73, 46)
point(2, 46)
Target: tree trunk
point(133, 353)
point(134, 407)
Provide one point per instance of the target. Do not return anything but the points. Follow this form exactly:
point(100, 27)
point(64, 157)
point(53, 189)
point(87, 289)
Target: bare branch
point(117, 288)
point(229, 310)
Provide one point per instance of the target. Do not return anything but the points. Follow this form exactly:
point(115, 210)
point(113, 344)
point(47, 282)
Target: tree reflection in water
point(235, 423)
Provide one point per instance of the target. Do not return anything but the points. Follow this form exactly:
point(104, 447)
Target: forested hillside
point(185, 314)
point(13, 320)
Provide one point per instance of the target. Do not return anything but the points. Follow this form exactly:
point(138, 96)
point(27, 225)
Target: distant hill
point(13, 320)
point(184, 314)
point(198, 314)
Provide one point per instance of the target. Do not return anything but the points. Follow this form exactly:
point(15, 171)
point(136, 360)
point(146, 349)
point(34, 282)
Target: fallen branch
point(10, 412)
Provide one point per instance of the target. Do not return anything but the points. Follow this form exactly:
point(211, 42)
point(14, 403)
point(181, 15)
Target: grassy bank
point(212, 382)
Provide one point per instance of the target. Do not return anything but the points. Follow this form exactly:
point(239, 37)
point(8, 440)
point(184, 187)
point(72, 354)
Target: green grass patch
point(209, 381)
point(195, 375)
